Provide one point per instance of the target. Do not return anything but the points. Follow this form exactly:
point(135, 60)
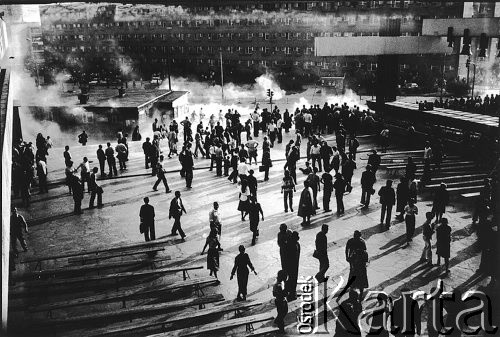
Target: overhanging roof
point(380, 45)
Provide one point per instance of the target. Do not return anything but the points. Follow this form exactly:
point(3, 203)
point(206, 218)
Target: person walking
point(147, 220)
point(215, 220)
point(101, 157)
point(213, 252)
point(327, 181)
point(411, 211)
point(387, 199)
point(441, 199)
point(234, 165)
point(321, 254)
point(266, 163)
point(252, 183)
point(367, 181)
point(110, 158)
point(348, 167)
point(175, 211)
point(18, 225)
point(198, 145)
point(287, 189)
point(340, 187)
point(291, 162)
point(443, 240)
point(95, 189)
point(254, 209)
point(293, 258)
point(427, 231)
point(188, 165)
point(356, 255)
point(241, 264)
point(306, 204)
point(243, 199)
point(146, 149)
point(284, 236)
point(280, 300)
point(160, 173)
point(402, 196)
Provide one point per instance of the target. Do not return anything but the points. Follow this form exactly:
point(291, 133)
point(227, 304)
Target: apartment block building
point(249, 37)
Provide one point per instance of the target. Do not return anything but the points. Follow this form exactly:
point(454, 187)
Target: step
point(465, 190)
point(448, 173)
point(457, 184)
point(404, 160)
point(453, 170)
point(455, 178)
point(443, 165)
point(470, 195)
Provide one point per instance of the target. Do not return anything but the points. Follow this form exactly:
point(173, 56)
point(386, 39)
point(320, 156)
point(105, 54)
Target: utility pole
point(221, 77)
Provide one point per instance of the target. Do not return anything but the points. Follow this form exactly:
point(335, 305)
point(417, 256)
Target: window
point(373, 66)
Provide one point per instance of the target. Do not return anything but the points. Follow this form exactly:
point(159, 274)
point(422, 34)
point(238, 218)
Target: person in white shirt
point(315, 155)
point(252, 150)
point(243, 170)
point(41, 168)
point(84, 172)
point(279, 125)
point(307, 123)
point(255, 119)
point(214, 217)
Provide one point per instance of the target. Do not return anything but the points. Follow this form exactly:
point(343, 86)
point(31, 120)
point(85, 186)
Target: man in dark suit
point(321, 254)
point(188, 164)
point(367, 181)
point(175, 211)
point(147, 216)
point(252, 183)
point(101, 157)
point(387, 199)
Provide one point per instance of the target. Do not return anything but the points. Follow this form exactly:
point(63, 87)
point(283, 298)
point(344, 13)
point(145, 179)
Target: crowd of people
point(328, 169)
point(488, 105)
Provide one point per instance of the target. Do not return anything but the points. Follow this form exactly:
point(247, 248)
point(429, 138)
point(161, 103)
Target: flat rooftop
point(99, 98)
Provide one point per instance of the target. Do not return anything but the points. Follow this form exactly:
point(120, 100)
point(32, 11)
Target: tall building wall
point(263, 35)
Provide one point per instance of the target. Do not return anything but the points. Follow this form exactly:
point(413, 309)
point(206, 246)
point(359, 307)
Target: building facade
point(249, 38)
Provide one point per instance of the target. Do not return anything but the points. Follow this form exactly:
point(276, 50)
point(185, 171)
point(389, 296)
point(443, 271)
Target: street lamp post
point(168, 64)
